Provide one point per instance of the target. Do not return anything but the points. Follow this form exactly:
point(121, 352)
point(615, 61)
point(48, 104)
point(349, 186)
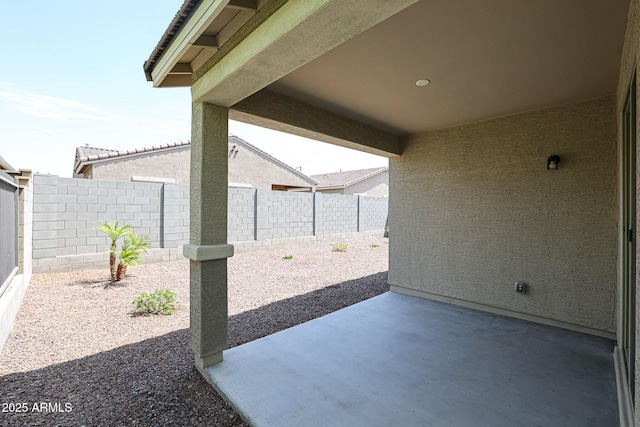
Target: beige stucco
point(473, 210)
point(376, 186)
point(169, 163)
point(246, 166)
point(253, 168)
point(208, 308)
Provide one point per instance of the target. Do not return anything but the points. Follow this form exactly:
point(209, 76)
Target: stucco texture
point(248, 167)
point(245, 167)
point(376, 186)
point(473, 209)
point(172, 164)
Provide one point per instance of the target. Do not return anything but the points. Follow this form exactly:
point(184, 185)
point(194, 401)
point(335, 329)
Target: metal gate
point(8, 230)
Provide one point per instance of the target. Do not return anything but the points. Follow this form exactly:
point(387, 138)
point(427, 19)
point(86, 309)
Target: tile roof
point(86, 151)
point(88, 155)
point(187, 8)
point(346, 178)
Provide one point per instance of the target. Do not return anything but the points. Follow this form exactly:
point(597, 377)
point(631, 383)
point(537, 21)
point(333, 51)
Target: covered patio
point(400, 360)
point(510, 128)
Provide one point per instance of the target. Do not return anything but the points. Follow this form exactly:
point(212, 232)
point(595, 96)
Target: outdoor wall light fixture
point(552, 162)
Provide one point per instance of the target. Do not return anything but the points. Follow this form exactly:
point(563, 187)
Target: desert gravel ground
point(77, 356)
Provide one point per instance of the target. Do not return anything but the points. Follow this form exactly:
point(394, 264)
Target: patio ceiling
point(483, 59)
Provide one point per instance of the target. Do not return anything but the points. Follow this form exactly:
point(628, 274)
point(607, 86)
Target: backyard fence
point(8, 230)
point(67, 209)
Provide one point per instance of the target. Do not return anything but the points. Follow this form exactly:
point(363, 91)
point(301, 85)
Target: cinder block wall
point(282, 215)
point(67, 209)
point(338, 213)
point(174, 215)
point(241, 219)
point(372, 210)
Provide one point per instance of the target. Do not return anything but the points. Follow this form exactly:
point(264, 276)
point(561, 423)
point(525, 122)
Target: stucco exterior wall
point(376, 186)
point(172, 164)
point(473, 209)
point(245, 167)
point(248, 167)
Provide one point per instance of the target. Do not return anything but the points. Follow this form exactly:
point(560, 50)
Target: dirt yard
point(77, 356)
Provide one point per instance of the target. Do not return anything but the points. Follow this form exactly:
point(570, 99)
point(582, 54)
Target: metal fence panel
point(8, 229)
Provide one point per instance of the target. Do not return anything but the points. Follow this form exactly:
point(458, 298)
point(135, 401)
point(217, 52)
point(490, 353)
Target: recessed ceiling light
point(423, 82)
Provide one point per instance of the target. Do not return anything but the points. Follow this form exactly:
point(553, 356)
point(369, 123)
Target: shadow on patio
point(398, 360)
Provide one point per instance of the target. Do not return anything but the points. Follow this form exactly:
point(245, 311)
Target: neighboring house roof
point(87, 151)
point(86, 155)
point(347, 178)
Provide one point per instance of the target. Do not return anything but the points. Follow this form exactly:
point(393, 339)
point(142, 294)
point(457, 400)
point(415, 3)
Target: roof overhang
point(344, 72)
point(197, 32)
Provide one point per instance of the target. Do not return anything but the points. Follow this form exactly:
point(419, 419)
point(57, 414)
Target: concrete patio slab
point(398, 360)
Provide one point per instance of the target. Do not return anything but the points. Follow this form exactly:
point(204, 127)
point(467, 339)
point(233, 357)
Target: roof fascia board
point(202, 17)
point(365, 177)
point(295, 34)
point(290, 115)
point(331, 187)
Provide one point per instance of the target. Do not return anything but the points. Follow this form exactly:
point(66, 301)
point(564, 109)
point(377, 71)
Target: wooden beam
point(243, 5)
point(280, 112)
point(207, 41)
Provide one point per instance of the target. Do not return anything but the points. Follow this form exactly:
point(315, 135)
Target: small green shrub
point(287, 257)
point(161, 301)
point(339, 247)
point(375, 245)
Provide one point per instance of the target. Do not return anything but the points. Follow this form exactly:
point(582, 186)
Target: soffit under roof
point(223, 17)
point(484, 59)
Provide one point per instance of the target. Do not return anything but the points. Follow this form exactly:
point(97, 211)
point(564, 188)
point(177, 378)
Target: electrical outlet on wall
point(521, 287)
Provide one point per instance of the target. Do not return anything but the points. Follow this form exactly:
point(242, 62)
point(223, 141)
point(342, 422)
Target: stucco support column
point(208, 249)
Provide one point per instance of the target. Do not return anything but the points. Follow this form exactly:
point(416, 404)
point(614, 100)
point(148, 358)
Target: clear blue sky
point(71, 74)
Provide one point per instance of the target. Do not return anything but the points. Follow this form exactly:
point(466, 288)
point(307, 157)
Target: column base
point(210, 360)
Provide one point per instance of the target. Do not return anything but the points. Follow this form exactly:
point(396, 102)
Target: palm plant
point(133, 248)
point(113, 232)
